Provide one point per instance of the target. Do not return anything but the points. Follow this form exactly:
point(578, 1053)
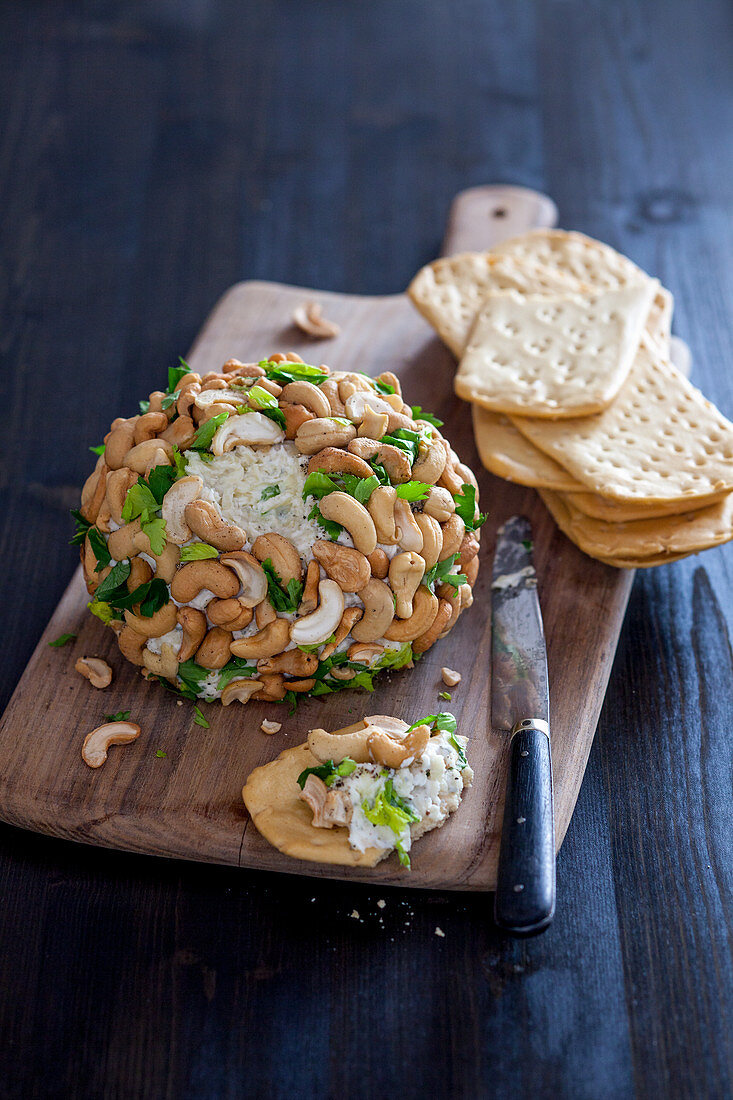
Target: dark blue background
point(151, 154)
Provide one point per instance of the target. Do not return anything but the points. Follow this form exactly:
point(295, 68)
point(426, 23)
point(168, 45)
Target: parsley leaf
point(206, 432)
point(445, 695)
point(332, 529)
point(180, 463)
point(63, 639)
point(104, 612)
point(444, 721)
point(155, 530)
point(200, 720)
point(454, 743)
point(160, 480)
point(160, 754)
point(466, 508)
point(82, 526)
point(413, 490)
point(120, 716)
point(406, 440)
point(99, 548)
point(391, 810)
point(282, 597)
point(319, 484)
point(236, 668)
point(98, 450)
point(175, 374)
point(441, 574)
point(382, 387)
point(115, 583)
point(269, 492)
point(197, 551)
point(139, 499)
point(418, 414)
point(144, 406)
point(266, 402)
point(192, 675)
point(328, 771)
point(293, 372)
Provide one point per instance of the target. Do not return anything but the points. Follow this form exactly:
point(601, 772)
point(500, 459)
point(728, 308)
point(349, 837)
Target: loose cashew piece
point(409, 535)
point(343, 509)
point(283, 555)
point(431, 460)
point(267, 642)
point(333, 460)
point(206, 521)
point(393, 753)
point(405, 573)
point(214, 650)
point(381, 509)
point(378, 612)
point(321, 623)
point(349, 568)
point(251, 576)
point(240, 691)
point(453, 531)
point(439, 504)
point(439, 624)
point(450, 677)
point(153, 626)
point(310, 592)
point(95, 670)
point(305, 393)
point(179, 496)
point(350, 741)
point(315, 435)
point(424, 610)
point(395, 461)
point(249, 430)
point(97, 743)
point(432, 538)
point(194, 627)
point(194, 576)
point(293, 663)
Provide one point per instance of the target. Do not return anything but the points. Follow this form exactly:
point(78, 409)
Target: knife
point(525, 892)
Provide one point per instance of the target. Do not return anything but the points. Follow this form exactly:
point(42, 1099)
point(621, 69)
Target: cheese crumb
point(440, 932)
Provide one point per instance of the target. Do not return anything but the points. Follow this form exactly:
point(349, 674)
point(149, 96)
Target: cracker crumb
point(439, 932)
point(381, 903)
point(354, 914)
point(450, 676)
point(271, 727)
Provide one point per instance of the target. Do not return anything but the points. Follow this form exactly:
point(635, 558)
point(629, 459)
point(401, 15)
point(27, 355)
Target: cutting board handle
point(482, 217)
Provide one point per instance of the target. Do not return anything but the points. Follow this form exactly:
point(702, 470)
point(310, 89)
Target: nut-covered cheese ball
point(275, 528)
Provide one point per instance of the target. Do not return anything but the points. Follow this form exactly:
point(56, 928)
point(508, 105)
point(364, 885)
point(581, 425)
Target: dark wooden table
point(152, 154)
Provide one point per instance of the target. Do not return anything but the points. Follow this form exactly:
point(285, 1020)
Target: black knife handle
point(525, 891)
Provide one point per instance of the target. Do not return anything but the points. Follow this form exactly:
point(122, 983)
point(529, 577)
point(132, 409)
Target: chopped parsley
point(206, 432)
point(269, 492)
point(445, 695)
point(98, 450)
point(120, 716)
point(282, 373)
point(198, 551)
point(236, 668)
point(418, 414)
point(267, 404)
point(199, 719)
point(394, 812)
point(63, 639)
point(441, 574)
point(82, 526)
point(98, 544)
point(413, 490)
point(160, 754)
point(466, 508)
point(329, 771)
point(282, 597)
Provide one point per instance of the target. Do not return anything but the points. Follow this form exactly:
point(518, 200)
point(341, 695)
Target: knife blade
point(525, 893)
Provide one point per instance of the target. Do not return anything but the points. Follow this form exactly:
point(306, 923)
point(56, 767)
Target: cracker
point(659, 441)
point(505, 452)
point(597, 507)
point(553, 357)
point(645, 538)
point(591, 262)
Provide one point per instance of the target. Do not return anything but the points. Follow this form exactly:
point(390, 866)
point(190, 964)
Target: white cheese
point(174, 638)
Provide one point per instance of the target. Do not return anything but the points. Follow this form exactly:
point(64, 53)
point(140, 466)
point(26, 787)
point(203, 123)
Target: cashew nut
point(240, 691)
point(194, 627)
point(295, 415)
point(166, 562)
point(378, 611)
point(424, 610)
point(364, 653)
point(119, 483)
point(350, 741)
point(273, 687)
point(310, 591)
point(305, 393)
point(214, 650)
point(268, 642)
point(206, 521)
point(334, 460)
point(95, 670)
point(194, 576)
point(431, 460)
point(180, 433)
point(450, 480)
point(264, 614)
point(346, 510)
point(163, 664)
point(179, 496)
point(119, 442)
point(281, 552)
point(468, 549)
point(432, 538)
point(395, 461)
point(231, 614)
point(471, 571)
point(439, 624)
point(293, 662)
point(374, 425)
point(321, 623)
point(131, 645)
point(349, 568)
point(381, 509)
point(331, 390)
point(390, 379)
point(244, 370)
point(89, 565)
point(216, 392)
point(149, 425)
point(249, 430)
point(121, 543)
point(439, 504)
point(153, 452)
point(409, 535)
point(314, 435)
point(140, 573)
point(357, 404)
point(350, 616)
point(94, 490)
point(251, 577)
point(155, 625)
point(379, 563)
point(453, 531)
point(393, 753)
point(405, 573)
point(97, 743)
point(450, 677)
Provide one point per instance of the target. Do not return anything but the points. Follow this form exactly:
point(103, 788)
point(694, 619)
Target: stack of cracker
point(564, 354)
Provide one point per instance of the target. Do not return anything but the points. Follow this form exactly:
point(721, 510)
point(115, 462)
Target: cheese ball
point(275, 529)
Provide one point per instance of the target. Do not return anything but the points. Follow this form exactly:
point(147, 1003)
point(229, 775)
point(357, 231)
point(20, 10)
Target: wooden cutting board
point(187, 803)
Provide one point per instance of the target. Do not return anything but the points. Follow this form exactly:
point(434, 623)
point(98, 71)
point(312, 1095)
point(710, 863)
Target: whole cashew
point(149, 425)
point(121, 543)
point(310, 591)
point(253, 429)
point(364, 653)
point(405, 573)
point(95, 670)
point(94, 491)
point(166, 562)
point(131, 645)
point(374, 425)
point(231, 614)
point(379, 563)
point(182, 493)
point(439, 504)
point(295, 415)
point(243, 370)
point(432, 538)
point(468, 549)
point(409, 535)
point(390, 379)
point(453, 531)
point(424, 610)
point(393, 753)
point(314, 435)
point(268, 642)
point(350, 741)
point(206, 521)
point(240, 691)
point(395, 461)
point(119, 442)
point(431, 460)
point(439, 624)
point(180, 433)
point(119, 483)
point(194, 627)
point(281, 552)
point(471, 571)
point(273, 687)
point(346, 510)
point(251, 577)
point(349, 568)
point(153, 626)
point(97, 743)
point(214, 650)
point(381, 508)
point(194, 576)
point(163, 664)
point(331, 390)
point(378, 612)
point(140, 573)
point(450, 480)
point(293, 662)
point(153, 452)
point(334, 460)
point(321, 623)
point(308, 395)
point(350, 616)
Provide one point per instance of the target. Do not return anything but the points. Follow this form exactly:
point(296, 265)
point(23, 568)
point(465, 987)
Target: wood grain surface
point(190, 806)
point(153, 155)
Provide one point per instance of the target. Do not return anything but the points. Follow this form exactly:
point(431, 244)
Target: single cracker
point(644, 538)
point(553, 357)
point(659, 441)
point(505, 452)
point(597, 507)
